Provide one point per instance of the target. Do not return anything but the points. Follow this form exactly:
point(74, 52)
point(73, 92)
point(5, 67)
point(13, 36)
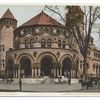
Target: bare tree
point(79, 23)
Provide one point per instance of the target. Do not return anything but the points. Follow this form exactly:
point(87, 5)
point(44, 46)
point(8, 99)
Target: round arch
point(47, 62)
point(46, 54)
point(24, 54)
point(67, 64)
point(9, 62)
point(67, 56)
point(25, 66)
point(45, 36)
point(25, 62)
point(10, 67)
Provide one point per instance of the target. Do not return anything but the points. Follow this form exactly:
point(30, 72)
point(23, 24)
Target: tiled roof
point(8, 14)
point(42, 19)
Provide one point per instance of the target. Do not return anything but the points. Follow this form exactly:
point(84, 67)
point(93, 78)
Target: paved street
point(91, 90)
point(51, 89)
point(46, 87)
point(40, 87)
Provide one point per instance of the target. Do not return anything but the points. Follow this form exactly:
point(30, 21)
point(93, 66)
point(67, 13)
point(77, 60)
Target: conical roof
point(42, 19)
point(8, 14)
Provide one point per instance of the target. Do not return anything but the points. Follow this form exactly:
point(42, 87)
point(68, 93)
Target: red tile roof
point(8, 14)
point(42, 19)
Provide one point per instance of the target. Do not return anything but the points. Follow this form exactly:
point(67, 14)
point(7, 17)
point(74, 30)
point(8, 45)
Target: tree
point(79, 23)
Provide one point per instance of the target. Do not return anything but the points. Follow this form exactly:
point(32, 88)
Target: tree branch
point(55, 12)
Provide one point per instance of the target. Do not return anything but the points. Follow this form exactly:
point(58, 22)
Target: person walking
point(69, 81)
point(20, 84)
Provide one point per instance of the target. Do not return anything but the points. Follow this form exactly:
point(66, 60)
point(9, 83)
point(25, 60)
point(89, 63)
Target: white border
point(67, 2)
point(50, 2)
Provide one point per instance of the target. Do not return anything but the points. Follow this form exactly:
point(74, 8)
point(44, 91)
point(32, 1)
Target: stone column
point(18, 72)
point(54, 72)
point(32, 72)
point(35, 72)
point(14, 73)
point(60, 71)
point(57, 72)
point(39, 72)
point(98, 70)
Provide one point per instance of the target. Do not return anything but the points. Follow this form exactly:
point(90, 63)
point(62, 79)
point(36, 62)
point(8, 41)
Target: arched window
point(93, 67)
point(43, 43)
point(3, 48)
point(59, 43)
point(26, 44)
point(63, 45)
point(49, 43)
point(31, 43)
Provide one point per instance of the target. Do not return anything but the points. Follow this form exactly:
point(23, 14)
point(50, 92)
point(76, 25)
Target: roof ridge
point(53, 18)
point(30, 19)
point(42, 19)
point(39, 16)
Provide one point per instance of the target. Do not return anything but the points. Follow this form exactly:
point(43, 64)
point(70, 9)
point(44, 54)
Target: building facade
point(7, 25)
point(41, 47)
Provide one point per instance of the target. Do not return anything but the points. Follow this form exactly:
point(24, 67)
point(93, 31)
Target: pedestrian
point(20, 84)
point(69, 81)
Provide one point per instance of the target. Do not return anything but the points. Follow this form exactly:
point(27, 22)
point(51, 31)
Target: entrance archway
point(25, 64)
point(66, 67)
point(10, 68)
point(47, 65)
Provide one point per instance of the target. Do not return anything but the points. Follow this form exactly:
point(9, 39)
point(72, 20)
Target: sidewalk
point(40, 87)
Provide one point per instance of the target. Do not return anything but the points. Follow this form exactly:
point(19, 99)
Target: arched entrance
point(46, 65)
point(25, 64)
point(10, 68)
point(66, 67)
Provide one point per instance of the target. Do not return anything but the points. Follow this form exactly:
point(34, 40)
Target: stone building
point(7, 25)
point(40, 47)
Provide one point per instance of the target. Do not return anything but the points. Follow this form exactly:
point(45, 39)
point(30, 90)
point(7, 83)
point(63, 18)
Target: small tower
point(7, 25)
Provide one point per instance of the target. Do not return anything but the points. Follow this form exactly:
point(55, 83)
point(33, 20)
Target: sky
point(23, 13)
